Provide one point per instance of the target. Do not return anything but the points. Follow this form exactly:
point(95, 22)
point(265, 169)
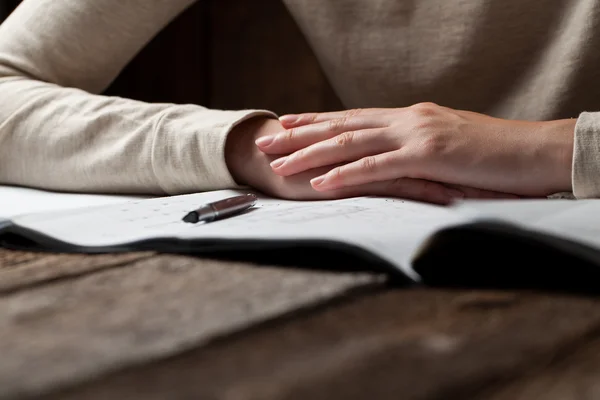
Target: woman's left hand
point(429, 142)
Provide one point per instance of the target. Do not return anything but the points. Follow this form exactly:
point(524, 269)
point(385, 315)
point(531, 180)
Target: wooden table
point(149, 326)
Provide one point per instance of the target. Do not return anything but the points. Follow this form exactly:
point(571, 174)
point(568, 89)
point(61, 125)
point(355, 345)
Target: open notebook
point(407, 237)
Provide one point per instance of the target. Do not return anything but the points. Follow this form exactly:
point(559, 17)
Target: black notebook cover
point(498, 255)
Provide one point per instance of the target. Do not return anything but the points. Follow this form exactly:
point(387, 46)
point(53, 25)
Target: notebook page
point(19, 201)
point(16, 201)
point(390, 228)
point(571, 219)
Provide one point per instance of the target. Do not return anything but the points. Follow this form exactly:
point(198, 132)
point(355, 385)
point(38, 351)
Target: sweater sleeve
point(57, 132)
point(586, 156)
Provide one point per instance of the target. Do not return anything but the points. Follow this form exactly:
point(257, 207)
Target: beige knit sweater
point(514, 59)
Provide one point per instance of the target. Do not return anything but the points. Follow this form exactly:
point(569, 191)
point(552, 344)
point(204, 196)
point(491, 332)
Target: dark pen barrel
point(221, 209)
point(234, 204)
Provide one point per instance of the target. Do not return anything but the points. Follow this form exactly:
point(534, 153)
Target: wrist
point(559, 138)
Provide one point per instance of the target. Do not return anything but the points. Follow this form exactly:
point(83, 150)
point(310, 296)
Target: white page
point(571, 219)
point(391, 228)
point(17, 201)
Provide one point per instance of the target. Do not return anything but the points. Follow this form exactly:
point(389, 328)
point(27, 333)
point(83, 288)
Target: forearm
point(66, 139)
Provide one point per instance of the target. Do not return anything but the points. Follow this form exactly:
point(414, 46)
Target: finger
point(475, 193)
point(298, 138)
point(411, 189)
point(345, 147)
point(295, 120)
point(381, 167)
point(417, 189)
point(405, 188)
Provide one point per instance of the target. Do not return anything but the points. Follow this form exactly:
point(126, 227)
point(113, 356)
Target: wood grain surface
point(408, 344)
point(70, 318)
point(154, 326)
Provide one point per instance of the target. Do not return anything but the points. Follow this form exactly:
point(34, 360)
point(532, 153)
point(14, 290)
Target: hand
point(429, 142)
point(250, 166)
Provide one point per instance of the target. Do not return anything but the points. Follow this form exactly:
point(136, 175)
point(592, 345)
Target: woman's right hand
point(250, 166)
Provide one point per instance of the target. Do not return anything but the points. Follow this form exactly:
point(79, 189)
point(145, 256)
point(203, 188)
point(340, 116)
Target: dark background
point(227, 54)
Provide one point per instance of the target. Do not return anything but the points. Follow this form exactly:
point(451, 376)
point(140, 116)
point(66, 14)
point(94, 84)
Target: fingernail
point(317, 181)
point(288, 119)
point(264, 141)
point(455, 194)
point(279, 162)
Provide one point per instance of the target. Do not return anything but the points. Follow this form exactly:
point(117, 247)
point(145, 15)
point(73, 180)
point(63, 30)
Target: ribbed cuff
point(586, 156)
point(189, 148)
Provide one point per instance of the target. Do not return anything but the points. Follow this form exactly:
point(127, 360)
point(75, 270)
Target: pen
point(221, 209)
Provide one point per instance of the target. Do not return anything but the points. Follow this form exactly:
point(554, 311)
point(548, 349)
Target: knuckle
point(306, 119)
point(353, 113)
point(290, 135)
point(337, 124)
point(336, 174)
point(424, 116)
point(425, 109)
point(344, 139)
point(311, 118)
point(368, 164)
